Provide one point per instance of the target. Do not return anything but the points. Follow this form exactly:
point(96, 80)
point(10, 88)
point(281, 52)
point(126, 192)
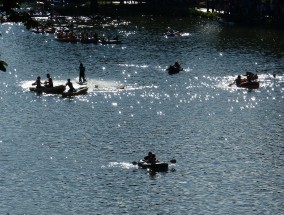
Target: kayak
point(158, 167)
point(79, 91)
point(249, 85)
point(49, 90)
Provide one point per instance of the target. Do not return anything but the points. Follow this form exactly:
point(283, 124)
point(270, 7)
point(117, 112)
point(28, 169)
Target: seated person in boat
point(146, 158)
point(38, 83)
point(238, 80)
point(153, 159)
point(70, 85)
point(49, 82)
point(177, 65)
point(251, 76)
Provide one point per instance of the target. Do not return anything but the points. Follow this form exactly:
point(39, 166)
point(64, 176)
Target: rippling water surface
point(74, 156)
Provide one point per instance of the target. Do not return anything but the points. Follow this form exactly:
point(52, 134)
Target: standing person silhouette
point(82, 76)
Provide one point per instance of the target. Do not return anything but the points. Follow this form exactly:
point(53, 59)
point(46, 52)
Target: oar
point(171, 161)
point(231, 84)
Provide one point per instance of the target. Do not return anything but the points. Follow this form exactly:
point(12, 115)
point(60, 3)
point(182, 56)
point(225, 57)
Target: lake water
point(74, 156)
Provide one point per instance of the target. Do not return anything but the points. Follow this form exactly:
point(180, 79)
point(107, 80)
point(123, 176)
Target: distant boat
point(174, 70)
point(172, 34)
point(49, 90)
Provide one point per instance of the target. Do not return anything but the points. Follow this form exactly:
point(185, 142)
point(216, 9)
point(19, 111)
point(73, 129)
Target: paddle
point(231, 84)
point(171, 161)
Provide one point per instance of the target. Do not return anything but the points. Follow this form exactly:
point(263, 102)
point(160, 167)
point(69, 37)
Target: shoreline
point(170, 12)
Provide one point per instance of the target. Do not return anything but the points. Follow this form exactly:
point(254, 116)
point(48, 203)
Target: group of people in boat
point(150, 158)
point(41, 29)
point(66, 35)
point(249, 77)
point(49, 81)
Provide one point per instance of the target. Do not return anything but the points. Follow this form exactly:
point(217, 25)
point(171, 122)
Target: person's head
point(239, 77)
point(149, 153)
point(68, 79)
point(81, 64)
point(38, 77)
point(48, 75)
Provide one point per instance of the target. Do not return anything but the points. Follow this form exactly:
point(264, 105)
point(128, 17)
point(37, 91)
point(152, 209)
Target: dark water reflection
point(74, 156)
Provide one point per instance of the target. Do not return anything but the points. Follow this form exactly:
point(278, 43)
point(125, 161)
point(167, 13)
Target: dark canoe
point(79, 91)
point(249, 85)
point(49, 90)
point(157, 167)
point(174, 70)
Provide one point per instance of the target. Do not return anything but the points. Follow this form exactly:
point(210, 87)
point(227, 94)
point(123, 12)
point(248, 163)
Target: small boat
point(247, 82)
point(249, 85)
point(157, 167)
point(38, 31)
point(172, 34)
point(79, 91)
point(49, 90)
point(173, 69)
